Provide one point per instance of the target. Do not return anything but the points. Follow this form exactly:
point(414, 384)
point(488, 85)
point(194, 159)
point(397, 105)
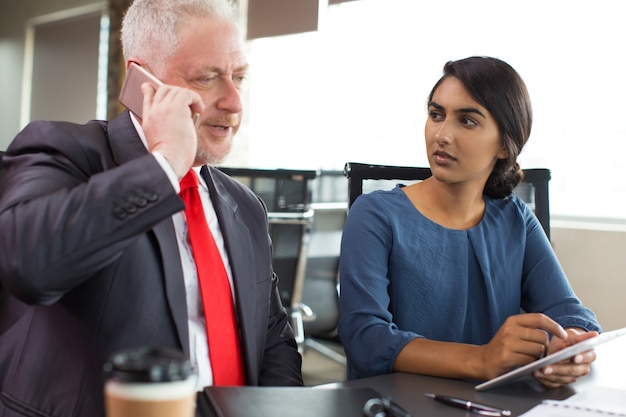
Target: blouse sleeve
point(545, 287)
point(370, 338)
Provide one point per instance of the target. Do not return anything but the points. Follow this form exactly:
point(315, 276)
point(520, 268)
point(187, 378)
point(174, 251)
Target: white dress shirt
point(198, 344)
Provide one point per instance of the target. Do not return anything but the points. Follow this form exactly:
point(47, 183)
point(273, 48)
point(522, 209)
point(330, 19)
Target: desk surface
point(408, 390)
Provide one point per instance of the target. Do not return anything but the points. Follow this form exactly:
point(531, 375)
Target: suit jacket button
point(151, 197)
point(119, 212)
point(140, 201)
point(130, 208)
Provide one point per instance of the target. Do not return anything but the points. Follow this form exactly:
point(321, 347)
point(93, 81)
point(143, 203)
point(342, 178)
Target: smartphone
point(131, 96)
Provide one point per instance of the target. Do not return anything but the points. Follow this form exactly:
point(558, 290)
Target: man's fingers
point(174, 97)
point(148, 92)
point(197, 106)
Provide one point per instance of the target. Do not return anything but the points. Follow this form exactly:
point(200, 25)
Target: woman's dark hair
point(498, 87)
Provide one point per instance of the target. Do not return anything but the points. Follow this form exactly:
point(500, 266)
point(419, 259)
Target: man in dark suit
point(94, 256)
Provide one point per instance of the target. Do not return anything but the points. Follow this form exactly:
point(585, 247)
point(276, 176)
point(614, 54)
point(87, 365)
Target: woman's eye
point(468, 122)
point(435, 115)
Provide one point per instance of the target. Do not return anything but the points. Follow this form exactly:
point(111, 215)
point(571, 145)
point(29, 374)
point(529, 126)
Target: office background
point(352, 86)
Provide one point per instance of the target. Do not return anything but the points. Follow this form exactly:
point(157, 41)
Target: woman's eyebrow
point(435, 105)
point(461, 110)
point(472, 110)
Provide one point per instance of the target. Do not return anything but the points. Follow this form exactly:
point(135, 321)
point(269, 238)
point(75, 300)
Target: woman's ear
point(503, 153)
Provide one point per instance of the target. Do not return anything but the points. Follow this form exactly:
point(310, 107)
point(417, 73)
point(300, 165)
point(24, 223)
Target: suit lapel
point(174, 281)
point(239, 248)
point(126, 145)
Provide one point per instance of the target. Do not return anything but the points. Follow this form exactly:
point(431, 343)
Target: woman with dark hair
point(434, 275)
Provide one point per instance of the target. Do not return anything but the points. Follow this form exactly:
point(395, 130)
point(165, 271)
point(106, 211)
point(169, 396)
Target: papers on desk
point(593, 402)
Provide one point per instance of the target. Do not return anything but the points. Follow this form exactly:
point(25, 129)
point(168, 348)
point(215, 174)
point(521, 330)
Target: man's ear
point(136, 61)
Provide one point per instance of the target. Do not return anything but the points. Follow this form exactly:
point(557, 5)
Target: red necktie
point(219, 311)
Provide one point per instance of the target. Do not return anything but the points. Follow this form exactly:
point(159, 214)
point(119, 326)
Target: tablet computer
point(555, 357)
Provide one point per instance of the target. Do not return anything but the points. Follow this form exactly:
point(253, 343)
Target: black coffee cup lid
point(148, 364)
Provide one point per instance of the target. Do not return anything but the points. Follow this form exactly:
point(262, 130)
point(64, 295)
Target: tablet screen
point(562, 354)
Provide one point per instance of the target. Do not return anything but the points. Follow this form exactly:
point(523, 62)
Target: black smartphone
point(130, 95)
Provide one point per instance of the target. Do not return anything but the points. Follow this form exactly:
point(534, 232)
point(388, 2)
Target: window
point(356, 89)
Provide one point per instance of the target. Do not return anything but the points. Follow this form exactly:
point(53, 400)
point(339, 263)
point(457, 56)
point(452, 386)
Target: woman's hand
point(569, 370)
point(520, 340)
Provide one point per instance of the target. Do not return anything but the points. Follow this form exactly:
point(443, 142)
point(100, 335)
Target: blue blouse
point(403, 277)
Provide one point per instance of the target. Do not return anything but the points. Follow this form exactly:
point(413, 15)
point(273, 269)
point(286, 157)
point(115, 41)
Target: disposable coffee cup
point(149, 382)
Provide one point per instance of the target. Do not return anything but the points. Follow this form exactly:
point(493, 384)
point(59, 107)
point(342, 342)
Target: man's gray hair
point(150, 27)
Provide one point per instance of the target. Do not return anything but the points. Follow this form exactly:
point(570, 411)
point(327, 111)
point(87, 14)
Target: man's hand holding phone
point(167, 116)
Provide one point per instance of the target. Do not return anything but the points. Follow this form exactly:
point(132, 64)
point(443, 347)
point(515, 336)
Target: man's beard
point(205, 157)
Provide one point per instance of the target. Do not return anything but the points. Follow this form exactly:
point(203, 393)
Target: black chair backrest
point(287, 195)
point(1, 155)
point(533, 190)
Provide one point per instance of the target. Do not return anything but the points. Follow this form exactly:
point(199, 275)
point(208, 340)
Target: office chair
point(1, 155)
point(363, 178)
point(287, 195)
point(321, 283)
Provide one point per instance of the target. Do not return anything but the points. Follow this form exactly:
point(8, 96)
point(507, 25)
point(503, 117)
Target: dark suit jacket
point(89, 264)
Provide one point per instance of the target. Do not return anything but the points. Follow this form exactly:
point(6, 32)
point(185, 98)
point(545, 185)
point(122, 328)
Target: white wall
point(595, 263)
point(14, 16)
